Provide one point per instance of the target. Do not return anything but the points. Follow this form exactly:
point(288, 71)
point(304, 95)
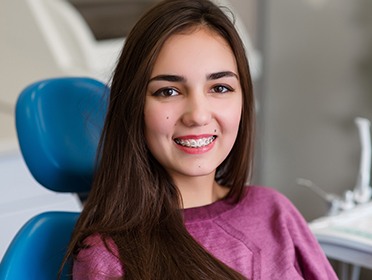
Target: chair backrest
point(37, 250)
point(59, 122)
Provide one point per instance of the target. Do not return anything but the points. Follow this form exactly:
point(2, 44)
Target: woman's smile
point(194, 144)
point(195, 141)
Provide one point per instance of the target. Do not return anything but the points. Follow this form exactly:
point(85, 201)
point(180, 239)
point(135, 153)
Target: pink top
point(262, 237)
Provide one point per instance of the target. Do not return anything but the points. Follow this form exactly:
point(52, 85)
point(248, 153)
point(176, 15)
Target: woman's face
point(193, 104)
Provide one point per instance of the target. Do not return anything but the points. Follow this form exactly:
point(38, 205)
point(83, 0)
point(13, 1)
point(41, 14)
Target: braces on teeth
point(195, 143)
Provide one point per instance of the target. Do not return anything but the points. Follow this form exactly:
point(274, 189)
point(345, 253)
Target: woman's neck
point(200, 190)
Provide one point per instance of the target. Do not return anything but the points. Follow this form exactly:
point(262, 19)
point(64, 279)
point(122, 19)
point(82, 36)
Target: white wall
point(24, 58)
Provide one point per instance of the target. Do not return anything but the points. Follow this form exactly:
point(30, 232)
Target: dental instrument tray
point(349, 230)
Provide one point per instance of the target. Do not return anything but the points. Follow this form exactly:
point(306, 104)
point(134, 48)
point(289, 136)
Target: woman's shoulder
point(98, 258)
point(264, 193)
point(266, 200)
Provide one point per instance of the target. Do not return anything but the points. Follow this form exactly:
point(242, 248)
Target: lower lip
point(195, 151)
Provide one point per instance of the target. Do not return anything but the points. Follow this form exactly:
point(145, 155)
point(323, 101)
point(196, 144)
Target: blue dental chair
point(58, 122)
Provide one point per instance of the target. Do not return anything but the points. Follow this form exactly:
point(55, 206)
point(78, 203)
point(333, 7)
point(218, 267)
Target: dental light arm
point(362, 190)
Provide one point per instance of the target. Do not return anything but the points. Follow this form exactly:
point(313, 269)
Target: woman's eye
point(221, 89)
point(166, 92)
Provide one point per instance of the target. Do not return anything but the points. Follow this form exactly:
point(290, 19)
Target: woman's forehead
point(196, 49)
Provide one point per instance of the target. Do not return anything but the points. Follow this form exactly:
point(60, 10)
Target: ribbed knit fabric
point(262, 237)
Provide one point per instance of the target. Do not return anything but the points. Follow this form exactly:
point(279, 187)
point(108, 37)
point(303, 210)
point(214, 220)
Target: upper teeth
point(195, 143)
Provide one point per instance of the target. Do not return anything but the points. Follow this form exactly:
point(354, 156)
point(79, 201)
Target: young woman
point(169, 199)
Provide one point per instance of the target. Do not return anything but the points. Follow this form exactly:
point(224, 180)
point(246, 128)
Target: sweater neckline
point(209, 211)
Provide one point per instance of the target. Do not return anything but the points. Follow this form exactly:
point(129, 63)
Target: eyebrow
point(168, 78)
point(179, 79)
point(219, 75)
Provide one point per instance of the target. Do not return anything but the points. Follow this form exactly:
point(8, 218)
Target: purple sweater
point(262, 237)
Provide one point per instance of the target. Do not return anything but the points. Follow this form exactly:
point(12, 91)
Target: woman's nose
point(197, 111)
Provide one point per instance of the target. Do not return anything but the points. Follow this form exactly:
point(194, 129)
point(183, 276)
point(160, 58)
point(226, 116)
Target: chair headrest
point(59, 123)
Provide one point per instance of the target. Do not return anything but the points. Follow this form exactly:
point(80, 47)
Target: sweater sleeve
point(310, 257)
point(97, 262)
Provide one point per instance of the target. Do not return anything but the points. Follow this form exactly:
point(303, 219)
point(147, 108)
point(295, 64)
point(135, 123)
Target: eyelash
point(226, 89)
point(163, 92)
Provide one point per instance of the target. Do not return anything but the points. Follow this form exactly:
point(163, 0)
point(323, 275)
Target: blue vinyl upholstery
point(58, 122)
point(37, 250)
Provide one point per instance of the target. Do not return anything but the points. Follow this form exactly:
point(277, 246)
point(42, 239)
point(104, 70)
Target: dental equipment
point(362, 191)
point(335, 203)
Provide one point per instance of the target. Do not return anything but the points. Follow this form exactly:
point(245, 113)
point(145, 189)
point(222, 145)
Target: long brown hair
point(133, 200)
